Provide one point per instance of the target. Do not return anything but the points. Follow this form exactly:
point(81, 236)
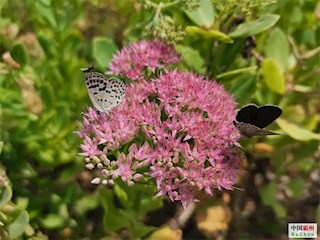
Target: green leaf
point(5, 195)
point(48, 46)
point(47, 157)
point(1, 146)
point(216, 35)
point(297, 186)
point(236, 72)
point(114, 219)
point(268, 194)
point(102, 51)
point(277, 48)
point(46, 11)
point(121, 193)
point(53, 221)
point(273, 76)
point(139, 230)
point(129, 196)
point(255, 27)
point(243, 88)
point(279, 210)
point(191, 58)
point(22, 202)
point(16, 228)
point(150, 203)
point(297, 132)
point(317, 210)
point(226, 57)
point(2, 4)
point(86, 203)
point(18, 53)
point(204, 15)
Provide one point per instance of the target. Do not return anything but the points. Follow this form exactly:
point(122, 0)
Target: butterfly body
point(251, 120)
point(105, 93)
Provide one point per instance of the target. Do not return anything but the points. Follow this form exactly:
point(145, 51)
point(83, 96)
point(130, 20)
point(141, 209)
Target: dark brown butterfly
point(251, 120)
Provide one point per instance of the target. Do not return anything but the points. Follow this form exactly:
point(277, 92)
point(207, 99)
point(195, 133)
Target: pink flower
point(90, 147)
point(133, 59)
point(176, 129)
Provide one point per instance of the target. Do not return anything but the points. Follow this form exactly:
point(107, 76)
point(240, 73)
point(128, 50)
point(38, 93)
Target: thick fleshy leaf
point(1, 146)
point(243, 88)
point(268, 195)
point(213, 219)
point(166, 233)
point(191, 58)
point(297, 132)
point(114, 218)
point(86, 203)
point(279, 210)
point(255, 27)
point(45, 9)
point(121, 193)
point(297, 186)
point(16, 228)
point(277, 48)
point(150, 203)
point(5, 195)
point(220, 36)
point(140, 230)
point(273, 76)
point(18, 53)
point(3, 3)
point(204, 15)
point(102, 51)
point(53, 221)
point(48, 46)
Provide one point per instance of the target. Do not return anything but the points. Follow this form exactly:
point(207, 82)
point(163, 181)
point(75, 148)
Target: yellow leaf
point(215, 219)
point(166, 233)
point(220, 36)
point(273, 76)
point(31, 99)
point(297, 132)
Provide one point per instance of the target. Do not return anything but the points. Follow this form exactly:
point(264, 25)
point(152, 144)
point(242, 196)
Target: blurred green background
point(262, 51)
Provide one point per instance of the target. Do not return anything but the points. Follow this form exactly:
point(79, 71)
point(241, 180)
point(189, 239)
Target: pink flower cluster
point(176, 129)
point(134, 59)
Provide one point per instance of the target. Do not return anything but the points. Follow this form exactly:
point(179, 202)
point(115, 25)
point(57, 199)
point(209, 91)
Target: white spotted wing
point(105, 93)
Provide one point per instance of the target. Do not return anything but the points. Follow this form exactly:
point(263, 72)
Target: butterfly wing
point(104, 93)
point(248, 114)
point(251, 119)
point(266, 115)
point(258, 116)
point(114, 92)
point(94, 81)
point(247, 130)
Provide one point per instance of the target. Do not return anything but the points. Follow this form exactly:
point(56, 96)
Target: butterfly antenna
point(241, 189)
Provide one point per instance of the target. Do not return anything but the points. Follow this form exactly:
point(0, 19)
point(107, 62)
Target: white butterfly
point(105, 93)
